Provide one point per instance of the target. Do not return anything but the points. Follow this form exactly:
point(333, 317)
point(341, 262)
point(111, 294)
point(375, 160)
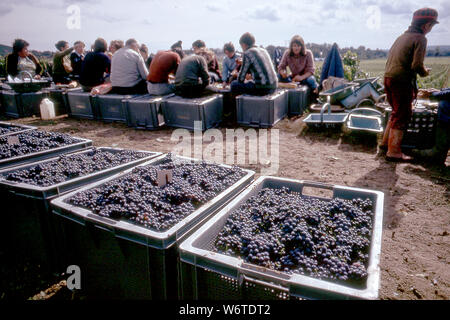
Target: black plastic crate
point(298, 100)
point(81, 105)
point(21, 105)
point(145, 112)
point(208, 275)
point(421, 131)
point(261, 111)
point(119, 259)
point(28, 221)
point(111, 107)
point(183, 112)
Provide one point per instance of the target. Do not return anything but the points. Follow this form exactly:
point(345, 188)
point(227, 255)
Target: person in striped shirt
point(257, 75)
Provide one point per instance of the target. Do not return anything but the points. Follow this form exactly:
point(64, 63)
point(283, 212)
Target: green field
point(439, 77)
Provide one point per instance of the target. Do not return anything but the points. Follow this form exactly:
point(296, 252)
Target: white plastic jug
point(47, 109)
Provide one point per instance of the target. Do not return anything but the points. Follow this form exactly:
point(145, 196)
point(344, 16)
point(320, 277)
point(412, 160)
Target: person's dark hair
point(117, 44)
point(248, 39)
point(19, 44)
point(177, 44)
point(100, 45)
point(79, 42)
point(199, 44)
point(299, 41)
point(144, 48)
point(179, 52)
point(130, 42)
point(61, 44)
point(228, 47)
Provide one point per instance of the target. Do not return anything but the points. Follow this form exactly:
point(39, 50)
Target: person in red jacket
point(405, 61)
point(163, 64)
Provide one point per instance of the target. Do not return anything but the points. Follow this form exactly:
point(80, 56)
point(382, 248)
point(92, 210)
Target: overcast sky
point(158, 24)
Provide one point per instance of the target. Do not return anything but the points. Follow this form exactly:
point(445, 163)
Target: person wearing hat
point(405, 61)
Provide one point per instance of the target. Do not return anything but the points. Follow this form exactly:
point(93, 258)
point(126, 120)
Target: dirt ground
point(415, 254)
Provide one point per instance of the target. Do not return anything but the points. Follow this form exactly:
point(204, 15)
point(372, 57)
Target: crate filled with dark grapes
point(124, 231)
point(7, 128)
point(35, 145)
point(28, 189)
point(274, 241)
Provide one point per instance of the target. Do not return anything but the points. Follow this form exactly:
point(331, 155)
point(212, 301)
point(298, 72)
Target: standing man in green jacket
point(405, 61)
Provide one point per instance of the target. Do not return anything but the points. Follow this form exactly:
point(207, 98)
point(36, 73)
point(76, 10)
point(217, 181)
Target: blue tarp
point(332, 66)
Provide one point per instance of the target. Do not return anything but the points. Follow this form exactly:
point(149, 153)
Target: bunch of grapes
point(68, 167)
point(283, 231)
point(137, 197)
point(34, 141)
point(9, 129)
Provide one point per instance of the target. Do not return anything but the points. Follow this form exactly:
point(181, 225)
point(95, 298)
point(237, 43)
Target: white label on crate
point(164, 177)
point(13, 140)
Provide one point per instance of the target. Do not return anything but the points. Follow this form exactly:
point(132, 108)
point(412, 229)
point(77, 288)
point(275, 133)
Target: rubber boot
point(394, 152)
point(384, 143)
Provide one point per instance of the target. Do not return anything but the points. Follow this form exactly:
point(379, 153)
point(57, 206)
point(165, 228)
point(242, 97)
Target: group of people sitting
point(129, 69)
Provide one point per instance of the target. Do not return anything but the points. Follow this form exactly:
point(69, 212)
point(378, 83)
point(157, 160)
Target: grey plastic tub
point(326, 120)
point(20, 105)
point(182, 112)
point(298, 100)
point(145, 112)
point(207, 275)
point(29, 223)
point(81, 105)
point(24, 128)
point(42, 155)
point(335, 95)
point(261, 111)
point(120, 259)
point(365, 119)
point(111, 107)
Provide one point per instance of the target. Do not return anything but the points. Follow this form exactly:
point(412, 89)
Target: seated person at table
point(301, 63)
point(128, 70)
point(192, 77)
point(163, 64)
point(257, 63)
point(22, 60)
point(61, 63)
point(76, 59)
point(95, 65)
point(199, 48)
point(231, 63)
